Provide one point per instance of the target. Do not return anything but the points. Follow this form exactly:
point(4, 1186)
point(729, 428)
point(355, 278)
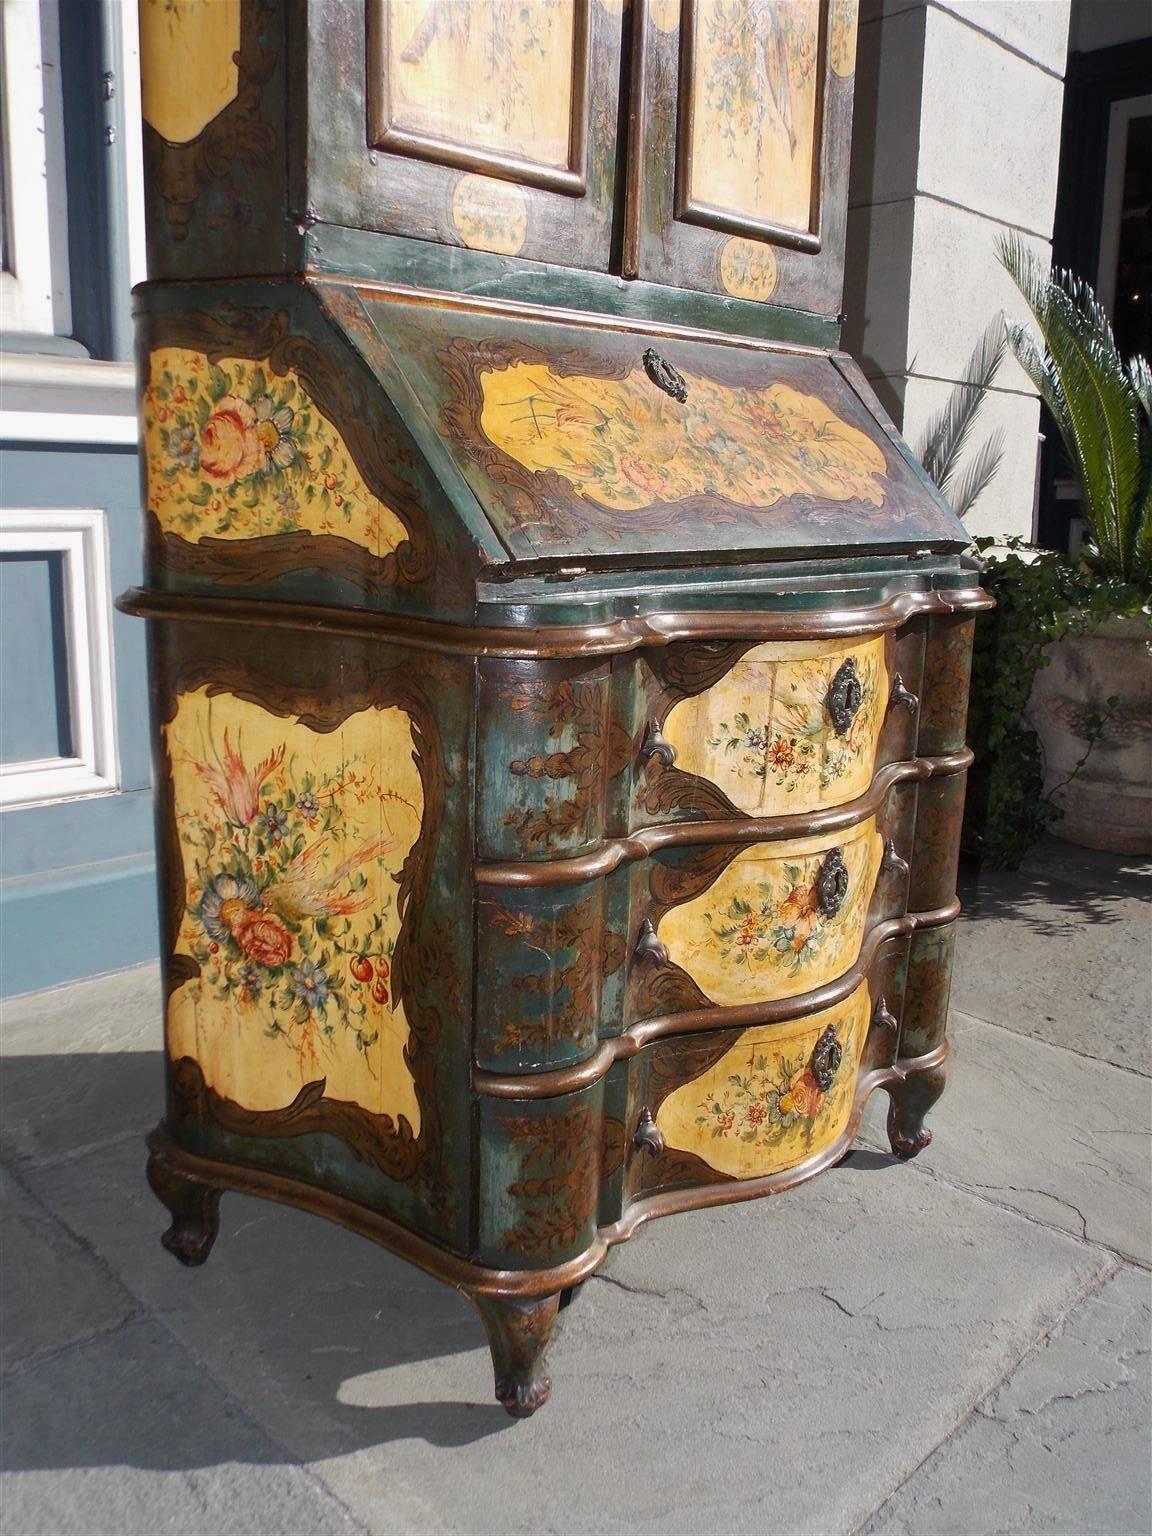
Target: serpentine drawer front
point(558, 661)
point(780, 1094)
point(792, 727)
point(777, 919)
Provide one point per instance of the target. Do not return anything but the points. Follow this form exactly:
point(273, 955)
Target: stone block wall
point(957, 139)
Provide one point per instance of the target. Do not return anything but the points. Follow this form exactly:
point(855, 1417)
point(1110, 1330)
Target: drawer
point(724, 1105)
point(780, 728)
point(742, 925)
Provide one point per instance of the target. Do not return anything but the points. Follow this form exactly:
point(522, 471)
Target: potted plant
point(1062, 681)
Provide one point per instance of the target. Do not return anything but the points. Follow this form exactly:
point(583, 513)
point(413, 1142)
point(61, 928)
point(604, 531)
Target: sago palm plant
point(1102, 408)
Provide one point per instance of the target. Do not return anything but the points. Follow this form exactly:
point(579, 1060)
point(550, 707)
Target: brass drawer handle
point(883, 1017)
point(892, 863)
point(844, 697)
point(655, 745)
point(827, 1054)
point(648, 946)
point(665, 376)
point(832, 883)
point(648, 1137)
point(901, 696)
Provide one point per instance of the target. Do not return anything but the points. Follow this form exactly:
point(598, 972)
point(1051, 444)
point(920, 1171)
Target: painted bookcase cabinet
point(559, 663)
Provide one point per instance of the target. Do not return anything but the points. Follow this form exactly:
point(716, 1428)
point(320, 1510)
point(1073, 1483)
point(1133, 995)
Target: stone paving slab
point(125, 1436)
point(1061, 950)
point(788, 1361)
point(1059, 1137)
point(52, 1291)
point(1061, 1448)
point(82, 1065)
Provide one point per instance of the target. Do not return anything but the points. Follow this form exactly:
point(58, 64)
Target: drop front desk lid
point(581, 439)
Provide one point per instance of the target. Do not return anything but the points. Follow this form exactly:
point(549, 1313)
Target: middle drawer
point(697, 926)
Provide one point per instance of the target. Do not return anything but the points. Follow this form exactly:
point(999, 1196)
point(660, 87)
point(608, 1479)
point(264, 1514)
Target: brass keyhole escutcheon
point(832, 883)
point(844, 697)
point(665, 376)
point(827, 1054)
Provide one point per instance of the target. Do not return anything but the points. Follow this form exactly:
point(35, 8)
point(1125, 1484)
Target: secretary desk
point(558, 660)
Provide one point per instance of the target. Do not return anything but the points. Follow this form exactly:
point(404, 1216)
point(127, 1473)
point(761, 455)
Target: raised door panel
point(739, 156)
point(489, 124)
point(315, 980)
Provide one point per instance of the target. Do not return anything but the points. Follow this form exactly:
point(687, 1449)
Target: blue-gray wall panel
point(77, 888)
point(35, 714)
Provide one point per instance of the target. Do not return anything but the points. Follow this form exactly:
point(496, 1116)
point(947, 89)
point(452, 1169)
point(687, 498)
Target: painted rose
point(801, 901)
point(263, 938)
point(229, 445)
point(807, 1096)
point(642, 474)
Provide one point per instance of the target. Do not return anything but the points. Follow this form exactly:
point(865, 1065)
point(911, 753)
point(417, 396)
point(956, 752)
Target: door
point(490, 124)
point(738, 162)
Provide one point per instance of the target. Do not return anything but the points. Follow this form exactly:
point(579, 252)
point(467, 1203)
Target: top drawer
point(792, 727)
point(770, 729)
point(575, 753)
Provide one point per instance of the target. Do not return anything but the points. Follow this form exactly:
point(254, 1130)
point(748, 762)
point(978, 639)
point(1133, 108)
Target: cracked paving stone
point(1058, 950)
point(1056, 1136)
point(82, 1067)
point(1061, 1448)
point(52, 1291)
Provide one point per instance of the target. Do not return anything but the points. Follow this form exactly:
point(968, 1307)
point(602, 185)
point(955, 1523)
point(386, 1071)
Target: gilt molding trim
point(613, 637)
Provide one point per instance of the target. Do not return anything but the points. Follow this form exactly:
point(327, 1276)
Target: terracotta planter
point(1108, 804)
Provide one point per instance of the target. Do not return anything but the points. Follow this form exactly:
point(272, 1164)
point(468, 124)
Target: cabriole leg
point(195, 1211)
point(911, 1100)
point(518, 1333)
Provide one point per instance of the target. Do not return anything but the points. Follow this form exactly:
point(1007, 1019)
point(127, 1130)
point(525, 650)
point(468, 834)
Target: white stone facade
point(957, 139)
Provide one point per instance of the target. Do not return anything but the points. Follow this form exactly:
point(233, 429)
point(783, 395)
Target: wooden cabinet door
point(738, 158)
point(483, 123)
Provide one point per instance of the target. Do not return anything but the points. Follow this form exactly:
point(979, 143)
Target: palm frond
point(1140, 378)
point(978, 474)
point(1095, 402)
point(947, 432)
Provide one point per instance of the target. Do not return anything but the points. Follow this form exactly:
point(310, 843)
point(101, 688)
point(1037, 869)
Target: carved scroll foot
point(910, 1101)
point(195, 1211)
point(518, 1333)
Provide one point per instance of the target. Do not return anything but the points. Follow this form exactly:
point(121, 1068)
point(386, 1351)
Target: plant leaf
point(947, 431)
point(1096, 403)
point(978, 475)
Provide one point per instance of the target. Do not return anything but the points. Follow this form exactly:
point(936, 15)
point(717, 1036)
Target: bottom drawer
point(745, 1104)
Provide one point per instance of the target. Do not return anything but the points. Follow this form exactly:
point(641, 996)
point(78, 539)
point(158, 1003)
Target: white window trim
point(66, 400)
point(35, 294)
point(1115, 163)
point(80, 534)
